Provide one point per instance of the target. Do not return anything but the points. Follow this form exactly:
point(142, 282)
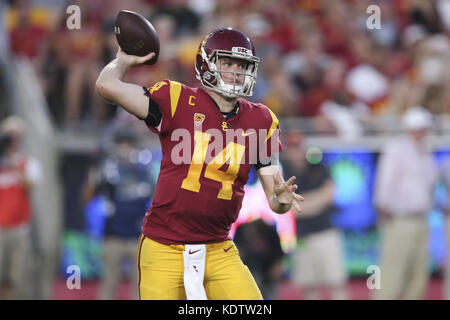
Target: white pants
point(319, 260)
point(116, 251)
point(403, 258)
point(14, 251)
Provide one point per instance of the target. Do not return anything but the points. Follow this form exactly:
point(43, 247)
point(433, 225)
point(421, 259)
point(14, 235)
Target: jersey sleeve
point(163, 95)
point(270, 146)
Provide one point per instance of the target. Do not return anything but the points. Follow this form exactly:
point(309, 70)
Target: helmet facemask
point(212, 78)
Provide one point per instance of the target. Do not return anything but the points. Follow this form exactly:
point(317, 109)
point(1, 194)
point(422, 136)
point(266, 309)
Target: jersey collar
point(226, 115)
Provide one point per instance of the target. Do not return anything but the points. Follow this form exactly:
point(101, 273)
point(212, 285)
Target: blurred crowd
point(319, 58)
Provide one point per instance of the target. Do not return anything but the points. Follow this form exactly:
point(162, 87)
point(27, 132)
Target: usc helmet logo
point(203, 43)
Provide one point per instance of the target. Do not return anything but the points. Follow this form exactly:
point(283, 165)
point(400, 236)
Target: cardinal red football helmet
point(229, 43)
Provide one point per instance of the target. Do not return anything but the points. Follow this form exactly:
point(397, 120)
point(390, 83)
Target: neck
point(225, 104)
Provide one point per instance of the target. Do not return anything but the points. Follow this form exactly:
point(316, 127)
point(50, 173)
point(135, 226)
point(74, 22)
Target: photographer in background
point(18, 175)
point(128, 183)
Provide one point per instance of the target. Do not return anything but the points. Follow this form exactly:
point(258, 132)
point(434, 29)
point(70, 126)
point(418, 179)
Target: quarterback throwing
point(210, 137)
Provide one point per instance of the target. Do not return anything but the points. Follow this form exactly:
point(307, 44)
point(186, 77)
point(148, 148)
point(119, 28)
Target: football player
point(210, 137)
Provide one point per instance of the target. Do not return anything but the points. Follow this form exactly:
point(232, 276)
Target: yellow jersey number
point(233, 153)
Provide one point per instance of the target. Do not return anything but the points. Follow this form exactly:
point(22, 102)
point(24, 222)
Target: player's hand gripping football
point(285, 193)
point(130, 60)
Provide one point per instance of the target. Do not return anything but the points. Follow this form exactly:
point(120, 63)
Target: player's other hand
point(285, 193)
point(130, 60)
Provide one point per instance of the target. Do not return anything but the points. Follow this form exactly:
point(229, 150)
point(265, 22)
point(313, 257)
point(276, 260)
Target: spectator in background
point(366, 81)
point(19, 174)
point(260, 249)
point(28, 29)
point(4, 39)
point(28, 32)
point(81, 53)
point(310, 64)
point(345, 115)
point(281, 96)
point(405, 181)
point(319, 258)
point(128, 185)
point(187, 21)
point(282, 32)
point(443, 10)
point(225, 14)
point(425, 13)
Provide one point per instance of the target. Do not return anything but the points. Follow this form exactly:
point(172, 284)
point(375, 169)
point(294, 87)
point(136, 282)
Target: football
point(136, 35)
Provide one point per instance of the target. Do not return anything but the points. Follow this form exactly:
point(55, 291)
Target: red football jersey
point(205, 163)
point(15, 204)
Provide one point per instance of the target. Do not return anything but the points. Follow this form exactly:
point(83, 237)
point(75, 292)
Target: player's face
point(229, 66)
point(16, 139)
point(418, 134)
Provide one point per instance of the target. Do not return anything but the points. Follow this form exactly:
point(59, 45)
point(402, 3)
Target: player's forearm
point(88, 192)
point(112, 73)
point(267, 177)
point(314, 205)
